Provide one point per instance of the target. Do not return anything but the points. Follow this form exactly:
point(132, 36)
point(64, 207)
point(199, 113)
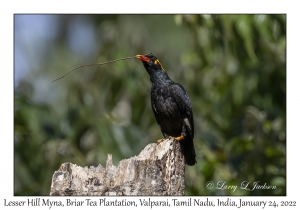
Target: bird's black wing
point(155, 110)
point(184, 106)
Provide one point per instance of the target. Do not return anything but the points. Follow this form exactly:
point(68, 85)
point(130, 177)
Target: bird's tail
point(188, 150)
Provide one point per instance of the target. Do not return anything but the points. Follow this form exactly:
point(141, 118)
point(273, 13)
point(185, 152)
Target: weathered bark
point(157, 170)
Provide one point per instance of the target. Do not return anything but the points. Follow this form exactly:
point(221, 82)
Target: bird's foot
point(179, 138)
point(160, 140)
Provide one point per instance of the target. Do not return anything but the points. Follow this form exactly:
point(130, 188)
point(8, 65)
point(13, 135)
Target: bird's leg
point(165, 137)
point(182, 136)
point(179, 138)
point(160, 140)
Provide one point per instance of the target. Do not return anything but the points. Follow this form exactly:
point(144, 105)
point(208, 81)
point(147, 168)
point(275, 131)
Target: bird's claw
point(179, 138)
point(160, 140)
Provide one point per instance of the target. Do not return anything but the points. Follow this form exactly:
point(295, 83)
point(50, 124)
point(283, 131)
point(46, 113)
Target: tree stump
point(157, 170)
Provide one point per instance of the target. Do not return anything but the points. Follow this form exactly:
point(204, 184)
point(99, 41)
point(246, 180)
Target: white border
point(8, 8)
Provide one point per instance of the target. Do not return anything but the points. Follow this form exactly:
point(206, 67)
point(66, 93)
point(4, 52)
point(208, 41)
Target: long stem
point(94, 64)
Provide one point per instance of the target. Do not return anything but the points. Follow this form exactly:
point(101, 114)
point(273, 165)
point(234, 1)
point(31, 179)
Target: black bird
point(171, 107)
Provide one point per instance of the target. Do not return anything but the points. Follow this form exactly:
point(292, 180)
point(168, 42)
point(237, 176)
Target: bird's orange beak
point(143, 58)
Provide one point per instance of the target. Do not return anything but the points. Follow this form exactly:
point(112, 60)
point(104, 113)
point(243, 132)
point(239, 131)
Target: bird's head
point(151, 63)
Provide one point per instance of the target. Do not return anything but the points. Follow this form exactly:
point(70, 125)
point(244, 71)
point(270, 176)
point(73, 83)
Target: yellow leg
point(179, 138)
point(160, 140)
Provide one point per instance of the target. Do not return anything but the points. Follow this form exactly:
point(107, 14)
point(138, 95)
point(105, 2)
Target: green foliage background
point(232, 66)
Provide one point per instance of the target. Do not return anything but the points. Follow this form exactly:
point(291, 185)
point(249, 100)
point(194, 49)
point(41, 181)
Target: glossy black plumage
point(171, 107)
